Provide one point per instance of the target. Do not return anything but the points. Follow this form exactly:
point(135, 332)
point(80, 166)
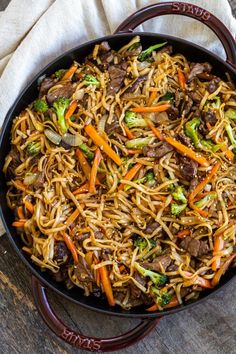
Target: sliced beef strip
point(158, 263)
point(196, 248)
point(133, 52)
point(151, 227)
point(45, 85)
point(61, 253)
point(187, 167)
point(136, 83)
point(117, 73)
point(114, 127)
point(40, 180)
point(167, 49)
point(188, 105)
point(209, 117)
point(193, 184)
point(104, 47)
point(172, 268)
point(183, 139)
point(199, 68)
point(213, 84)
point(158, 151)
point(173, 113)
point(182, 102)
point(15, 162)
point(83, 271)
point(135, 292)
point(179, 97)
point(196, 97)
point(66, 90)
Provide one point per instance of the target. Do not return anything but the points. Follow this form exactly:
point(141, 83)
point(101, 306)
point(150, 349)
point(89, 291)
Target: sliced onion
point(72, 140)
point(143, 65)
point(30, 178)
point(102, 123)
point(40, 79)
point(79, 94)
point(52, 136)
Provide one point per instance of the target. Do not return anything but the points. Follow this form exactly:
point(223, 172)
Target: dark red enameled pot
point(40, 280)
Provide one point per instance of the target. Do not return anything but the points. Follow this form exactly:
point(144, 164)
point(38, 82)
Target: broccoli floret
point(191, 128)
point(169, 96)
point(142, 243)
point(231, 136)
point(91, 80)
point(33, 148)
point(179, 194)
point(177, 209)
point(202, 203)
point(40, 106)
point(60, 106)
point(230, 113)
point(87, 151)
point(138, 143)
point(146, 53)
point(157, 278)
point(161, 298)
point(132, 120)
point(60, 73)
point(210, 145)
point(150, 176)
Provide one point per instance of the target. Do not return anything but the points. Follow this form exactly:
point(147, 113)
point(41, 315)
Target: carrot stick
point(130, 174)
point(173, 303)
point(29, 206)
point(69, 72)
point(198, 210)
point(94, 170)
point(182, 80)
point(228, 153)
point(19, 223)
point(82, 189)
point(128, 132)
point(69, 243)
point(204, 283)
point(20, 213)
point(19, 185)
point(155, 130)
point(222, 270)
point(83, 163)
point(106, 284)
point(152, 98)
point(71, 109)
point(209, 127)
point(184, 150)
point(204, 182)
point(100, 142)
point(160, 108)
point(72, 217)
point(218, 246)
point(183, 233)
point(134, 151)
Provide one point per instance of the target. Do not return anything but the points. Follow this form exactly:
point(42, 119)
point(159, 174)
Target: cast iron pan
point(39, 279)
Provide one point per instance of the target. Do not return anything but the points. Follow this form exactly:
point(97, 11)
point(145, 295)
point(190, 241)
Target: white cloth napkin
point(33, 33)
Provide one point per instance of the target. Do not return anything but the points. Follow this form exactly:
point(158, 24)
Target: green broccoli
point(191, 131)
point(210, 145)
point(132, 120)
point(169, 96)
point(60, 73)
point(160, 298)
point(87, 151)
point(91, 80)
point(231, 136)
point(145, 54)
point(138, 143)
point(142, 243)
point(60, 106)
point(179, 194)
point(33, 148)
point(177, 209)
point(157, 278)
point(202, 203)
point(150, 176)
point(40, 106)
point(230, 113)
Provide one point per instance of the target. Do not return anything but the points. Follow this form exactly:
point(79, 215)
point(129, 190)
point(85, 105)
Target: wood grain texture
point(206, 328)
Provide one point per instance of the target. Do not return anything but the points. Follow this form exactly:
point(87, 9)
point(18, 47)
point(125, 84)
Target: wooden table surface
point(209, 327)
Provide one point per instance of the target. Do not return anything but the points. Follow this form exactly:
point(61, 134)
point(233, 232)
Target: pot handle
point(180, 8)
point(79, 340)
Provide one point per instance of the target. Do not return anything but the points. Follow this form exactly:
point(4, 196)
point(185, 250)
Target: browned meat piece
point(82, 237)
point(173, 113)
point(66, 90)
point(114, 127)
point(15, 162)
point(159, 263)
point(185, 291)
point(172, 268)
point(179, 97)
point(104, 47)
point(183, 139)
point(151, 227)
point(136, 50)
point(136, 83)
point(199, 68)
point(83, 272)
point(135, 292)
point(213, 84)
point(188, 105)
point(107, 58)
point(158, 151)
point(196, 248)
point(209, 117)
point(117, 75)
point(167, 49)
point(187, 168)
point(61, 253)
point(196, 97)
point(193, 184)
point(39, 182)
point(45, 85)
point(182, 102)
point(206, 76)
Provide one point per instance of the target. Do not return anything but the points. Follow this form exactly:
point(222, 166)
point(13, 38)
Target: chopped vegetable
point(230, 113)
point(69, 243)
point(52, 136)
point(223, 269)
point(161, 298)
point(91, 80)
point(40, 106)
point(34, 148)
point(183, 233)
point(82, 189)
point(19, 224)
point(70, 72)
point(100, 142)
point(59, 73)
point(191, 128)
point(94, 170)
point(155, 130)
point(60, 106)
point(173, 303)
point(128, 133)
point(152, 98)
point(210, 145)
point(204, 283)
point(161, 108)
point(149, 177)
point(145, 54)
point(138, 143)
point(29, 206)
point(157, 278)
point(132, 120)
point(182, 80)
point(202, 203)
point(106, 284)
point(87, 151)
point(71, 109)
point(177, 208)
point(72, 217)
point(231, 135)
point(131, 174)
point(86, 168)
point(20, 213)
point(179, 194)
point(169, 96)
point(72, 140)
point(142, 243)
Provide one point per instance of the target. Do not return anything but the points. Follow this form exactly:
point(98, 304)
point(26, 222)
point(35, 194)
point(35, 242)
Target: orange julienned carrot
point(106, 284)
point(19, 185)
point(130, 174)
point(94, 170)
point(19, 223)
point(29, 206)
point(100, 142)
point(155, 130)
point(204, 182)
point(182, 80)
point(218, 246)
point(183, 233)
point(128, 132)
point(20, 213)
point(69, 72)
point(184, 150)
point(82, 189)
point(222, 270)
point(71, 109)
point(134, 151)
point(160, 108)
point(152, 98)
point(72, 217)
point(198, 210)
point(173, 303)
point(83, 163)
point(69, 243)
point(228, 153)
point(204, 283)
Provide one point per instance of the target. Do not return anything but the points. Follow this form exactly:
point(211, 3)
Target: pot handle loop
point(79, 340)
point(180, 8)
